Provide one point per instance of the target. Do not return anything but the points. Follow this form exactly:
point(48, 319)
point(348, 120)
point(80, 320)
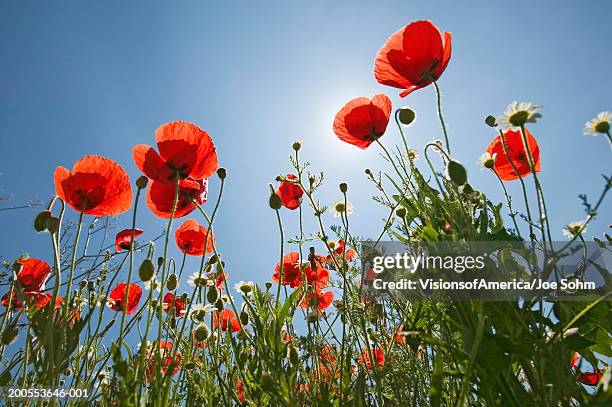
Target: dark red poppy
point(590, 378)
point(317, 301)
point(290, 193)
point(193, 239)
point(117, 297)
point(123, 240)
point(516, 154)
point(379, 358)
point(292, 274)
point(340, 248)
point(161, 195)
point(33, 274)
point(184, 150)
point(95, 186)
point(173, 305)
point(226, 319)
point(413, 57)
point(240, 391)
point(362, 121)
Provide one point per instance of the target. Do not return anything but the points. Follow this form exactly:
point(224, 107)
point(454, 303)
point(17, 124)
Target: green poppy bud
point(275, 201)
point(172, 282)
point(212, 295)
point(401, 212)
point(343, 187)
point(146, 270)
point(244, 318)
point(221, 173)
point(41, 221)
point(406, 115)
point(456, 172)
point(142, 182)
point(490, 121)
point(9, 334)
point(297, 145)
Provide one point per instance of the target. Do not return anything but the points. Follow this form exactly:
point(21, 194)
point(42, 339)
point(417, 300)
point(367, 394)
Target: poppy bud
point(212, 295)
point(213, 259)
point(406, 115)
point(172, 282)
point(160, 261)
point(267, 383)
point(343, 187)
point(53, 224)
point(490, 121)
point(83, 283)
point(401, 212)
point(367, 171)
point(9, 334)
point(297, 145)
point(190, 365)
point(142, 182)
point(41, 221)
point(268, 285)
point(275, 201)
point(456, 172)
point(244, 318)
point(220, 305)
point(5, 377)
point(146, 270)
point(222, 173)
point(311, 179)
point(294, 358)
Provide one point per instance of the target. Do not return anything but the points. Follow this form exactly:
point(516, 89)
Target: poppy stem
point(509, 200)
point(438, 98)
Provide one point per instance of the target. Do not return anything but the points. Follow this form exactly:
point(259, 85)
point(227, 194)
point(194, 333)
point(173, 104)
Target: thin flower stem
point(509, 200)
point(438, 99)
point(72, 265)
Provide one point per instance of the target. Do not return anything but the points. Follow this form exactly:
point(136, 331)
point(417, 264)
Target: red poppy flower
point(240, 391)
point(117, 296)
point(193, 239)
point(184, 149)
point(399, 338)
point(413, 57)
point(516, 153)
point(161, 195)
point(339, 249)
point(95, 186)
point(226, 319)
point(362, 121)
point(317, 277)
point(379, 358)
point(317, 301)
point(292, 275)
point(290, 193)
point(173, 305)
point(591, 378)
point(169, 362)
point(123, 240)
point(37, 299)
point(33, 274)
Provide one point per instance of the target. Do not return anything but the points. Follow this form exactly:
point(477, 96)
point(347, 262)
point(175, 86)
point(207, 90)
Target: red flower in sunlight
point(378, 355)
point(317, 276)
point(33, 274)
point(184, 150)
point(362, 121)
point(117, 296)
point(95, 186)
point(240, 391)
point(161, 195)
point(292, 275)
point(123, 239)
point(317, 301)
point(169, 362)
point(290, 193)
point(173, 306)
point(339, 248)
point(516, 154)
point(193, 239)
point(36, 299)
point(226, 319)
point(588, 378)
point(413, 57)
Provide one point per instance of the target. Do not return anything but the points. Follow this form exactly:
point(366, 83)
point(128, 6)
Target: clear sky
point(82, 78)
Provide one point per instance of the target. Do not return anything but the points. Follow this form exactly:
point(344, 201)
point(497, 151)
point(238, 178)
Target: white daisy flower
point(197, 279)
point(412, 155)
point(517, 114)
point(152, 284)
point(339, 208)
point(487, 160)
point(198, 312)
point(575, 229)
point(245, 287)
point(598, 125)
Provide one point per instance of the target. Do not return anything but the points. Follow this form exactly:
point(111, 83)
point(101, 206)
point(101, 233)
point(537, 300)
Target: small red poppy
point(379, 358)
point(317, 277)
point(33, 274)
point(161, 195)
point(117, 296)
point(193, 239)
point(174, 306)
point(184, 149)
point(590, 378)
point(516, 153)
point(339, 249)
point(123, 239)
point(290, 193)
point(166, 355)
point(240, 391)
point(226, 319)
point(362, 121)
point(37, 299)
point(292, 275)
point(317, 301)
point(413, 57)
point(95, 186)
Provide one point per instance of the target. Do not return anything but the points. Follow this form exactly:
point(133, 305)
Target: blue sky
point(82, 78)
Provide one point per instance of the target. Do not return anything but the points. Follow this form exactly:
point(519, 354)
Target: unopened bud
point(297, 145)
point(268, 285)
point(221, 173)
point(343, 187)
point(212, 295)
point(401, 212)
point(275, 201)
point(456, 172)
point(142, 182)
point(172, 282)
point(490, 121)
point(41, 221)
point(146, 270)
point(406, 115)
point(160, 261)
point(9, 334)
point(244, 318)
